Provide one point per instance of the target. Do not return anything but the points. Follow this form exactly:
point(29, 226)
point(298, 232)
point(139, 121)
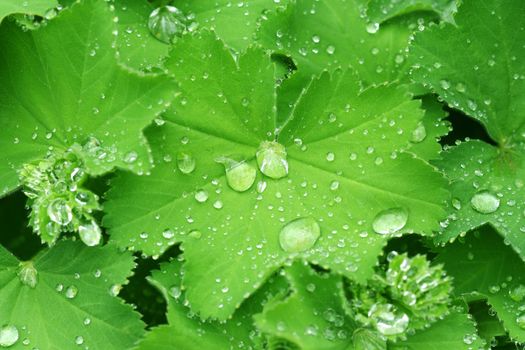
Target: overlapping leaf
point(312, 317)
point(344, 155)
point(61, 85)
point(383, 10)
point(30, 7)
point(483, 264)
point(487, 84)
point(71, 304)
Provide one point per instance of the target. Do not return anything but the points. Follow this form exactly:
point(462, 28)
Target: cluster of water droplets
point(410, 295)
point(57, 200)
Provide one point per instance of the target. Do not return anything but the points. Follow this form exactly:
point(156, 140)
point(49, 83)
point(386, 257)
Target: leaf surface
point(30, 7)
point(71, 302)
point(337, 168)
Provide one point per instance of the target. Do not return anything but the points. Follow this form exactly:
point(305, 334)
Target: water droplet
point(8, 335)
point(175, 292)
point(330, 49)
point(79, 340)
point(517, 294)
point(271, 158)
point(90, 233)
point(201, 196)
point(115, 289)
point(445, 84)
point(390, 221)
point(372, 27)
point(166, 23)
point(196, 234)
point(28, 274)
point(130, 157)
point(485, 202)
point(520, 320)
point(168, 234)
point(60, 212)
point(299, 235)
point(185, 163)
point(330, 156)
point(239, 175)
point(71, 292)
point(388, 320)
point(419, 133)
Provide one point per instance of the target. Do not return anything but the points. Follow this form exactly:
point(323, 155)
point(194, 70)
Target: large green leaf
point(30, 7)
point(70, 305)
point(454, 332)
point(312, 317)
point(488, 85)
point(483, 264)
point(345, 164)
point(61, 85)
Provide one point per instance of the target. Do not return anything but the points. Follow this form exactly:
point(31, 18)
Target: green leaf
point(72, 90)
point(61, 299)
point(488, 83)
point(188, 331)
point(455, 332)
point(383, 10)
point(30, 7)
point(321, 35)
point(312, 317)
point(343, 147)
point(477, 169)
point(484, 265)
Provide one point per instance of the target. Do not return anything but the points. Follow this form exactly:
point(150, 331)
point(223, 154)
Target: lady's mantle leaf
point(484, 264)
point(343, 151)
point(312, 317)
point(489, 85)
point(30, 7)
point(61, 85)
point(61, 299)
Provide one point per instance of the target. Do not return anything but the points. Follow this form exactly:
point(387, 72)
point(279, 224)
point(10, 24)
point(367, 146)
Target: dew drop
point(239, 175)
point(201, 196)
point(485, 202)
point(60, 212)
point(390, 221)
point(517, 294)
point(166, 23)
point(299, 235)
point(419, 133)
point(185, 163)
point(175, 292)
point(520, 320)
point(90, 233)
point(388, 320)
point(271, 158)
point(196, 234)
point(79, 340)
point(372, 27)
point(27, 274)
point(8, 335)
point(168, 234)
point(71, 292)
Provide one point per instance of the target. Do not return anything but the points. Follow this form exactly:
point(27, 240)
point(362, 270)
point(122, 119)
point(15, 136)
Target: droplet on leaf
point(28, 274)
point(271, 158)
point(239, 174)
point(485, 202)
point(8, 336)
point(390, 221)
point(299, 235)
point(60, 212)
point(167, 22)
point(185, 163)
point(90, 233)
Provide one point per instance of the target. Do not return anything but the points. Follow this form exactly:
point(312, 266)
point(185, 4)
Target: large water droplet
point(419, 133)
point(520, 320)
point(167, 22)
point(8, 335)
point(71, 292)
point(90, 234)
point(390, 221)
point(240, 175)
point(485, 202)
point(388, 320)
point(28, 274)
point(271, 158)
point(185, 162)
point(60, 212)
point(517, 294)
point(299, 235)
point(372, 27)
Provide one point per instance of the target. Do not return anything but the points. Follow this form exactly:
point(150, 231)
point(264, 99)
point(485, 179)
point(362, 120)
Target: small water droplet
point(485, 202)
point(201, 196)
point(390, 221)
point(90, 233)
point(71, 292)
point(175, 292)
point(240, 175)
point(299, 235)
point(419, 133)
point(28, 274)
point(388, 320)
point(60, 212)
point(372, 27)
point(520, 320)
